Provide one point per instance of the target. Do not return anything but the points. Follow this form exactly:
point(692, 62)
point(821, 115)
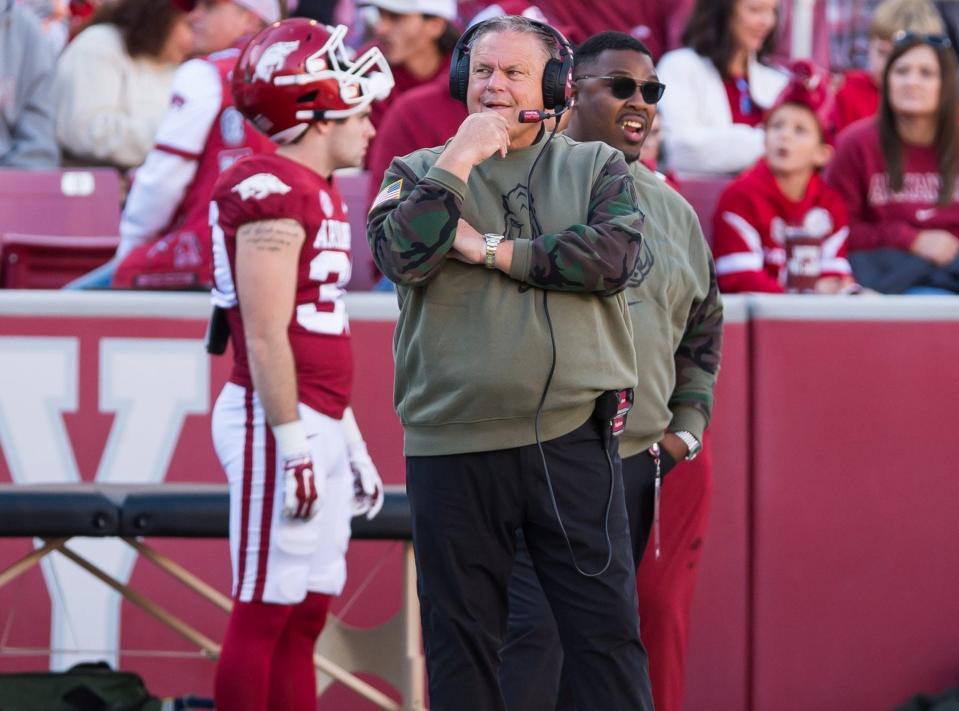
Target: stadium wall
point(828, 578)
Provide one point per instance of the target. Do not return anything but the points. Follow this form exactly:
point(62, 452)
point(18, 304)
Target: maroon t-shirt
point(878, 215)
point(858, 98)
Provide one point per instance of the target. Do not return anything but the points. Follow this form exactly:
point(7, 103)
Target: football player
point(282, 428)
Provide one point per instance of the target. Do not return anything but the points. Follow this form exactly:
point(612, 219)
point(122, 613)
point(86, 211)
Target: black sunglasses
point(624, 87)
point(905, 37)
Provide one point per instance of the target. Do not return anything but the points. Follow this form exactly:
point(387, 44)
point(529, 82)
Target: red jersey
point(879, 216)
point(753, 224)
point(858, 98)
point(271, 187)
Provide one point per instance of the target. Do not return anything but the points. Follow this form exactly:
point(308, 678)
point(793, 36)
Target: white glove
point(367, 484)
point(302, 497)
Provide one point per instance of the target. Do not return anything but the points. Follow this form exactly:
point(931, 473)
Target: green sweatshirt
point(472, 345)
point(677, 319)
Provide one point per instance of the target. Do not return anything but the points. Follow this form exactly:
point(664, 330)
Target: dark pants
point(466, 510)
point(534, 674)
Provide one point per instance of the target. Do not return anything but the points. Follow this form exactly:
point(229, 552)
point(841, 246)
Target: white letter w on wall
point(151, 385)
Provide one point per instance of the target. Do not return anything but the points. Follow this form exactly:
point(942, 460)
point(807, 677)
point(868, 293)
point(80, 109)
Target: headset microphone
point(534, 116)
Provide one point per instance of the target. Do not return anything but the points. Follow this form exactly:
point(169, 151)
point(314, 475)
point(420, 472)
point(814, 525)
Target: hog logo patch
point(260, 186)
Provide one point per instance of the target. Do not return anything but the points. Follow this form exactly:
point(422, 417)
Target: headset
point(557, 75)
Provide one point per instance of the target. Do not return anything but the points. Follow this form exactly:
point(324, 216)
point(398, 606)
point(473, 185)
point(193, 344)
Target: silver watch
point(492, 242)
point(692, 444)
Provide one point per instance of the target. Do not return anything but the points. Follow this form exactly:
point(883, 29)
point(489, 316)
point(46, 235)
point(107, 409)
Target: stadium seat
point(703, 192)
point(354, 187)
point(48, 262)
point(59, 201)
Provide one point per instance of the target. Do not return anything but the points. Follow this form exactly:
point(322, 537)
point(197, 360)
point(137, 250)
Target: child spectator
point(719, 87)
point(897, 174)
point(779, 227)
point(858, 97)
point(113, 81)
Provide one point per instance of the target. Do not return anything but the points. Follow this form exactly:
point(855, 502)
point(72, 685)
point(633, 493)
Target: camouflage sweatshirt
point(677, 319)
point(473, 346)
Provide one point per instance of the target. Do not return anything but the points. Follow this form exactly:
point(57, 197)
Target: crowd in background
point(90, 83)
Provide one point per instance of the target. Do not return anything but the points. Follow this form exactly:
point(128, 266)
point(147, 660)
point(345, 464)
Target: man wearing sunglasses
point(676, 315)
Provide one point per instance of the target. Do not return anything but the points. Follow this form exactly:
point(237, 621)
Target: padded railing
point(56, 513)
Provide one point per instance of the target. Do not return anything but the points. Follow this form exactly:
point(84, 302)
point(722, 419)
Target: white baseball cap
point(266, 10)
point(439, 8)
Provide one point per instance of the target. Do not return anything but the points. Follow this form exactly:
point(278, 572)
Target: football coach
point(510, 247)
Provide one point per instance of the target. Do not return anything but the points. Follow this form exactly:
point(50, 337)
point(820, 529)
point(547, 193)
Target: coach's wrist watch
point(692, 444)
point(492, 242)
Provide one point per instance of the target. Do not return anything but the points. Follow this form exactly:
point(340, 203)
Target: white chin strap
point(288, 135)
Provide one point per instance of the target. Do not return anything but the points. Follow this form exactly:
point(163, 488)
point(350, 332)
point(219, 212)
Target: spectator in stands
point(858, 97)
point(779, 227)
point(165, 238)
point(26, 92)
point(113, 81)
point(417, 37)
point(676, 311)
point(897, 174)
point(719, 87)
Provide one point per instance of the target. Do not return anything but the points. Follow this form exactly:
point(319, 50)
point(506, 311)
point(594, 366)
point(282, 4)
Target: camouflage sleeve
point(412, 222)
point(596, 257)
point(697, 359)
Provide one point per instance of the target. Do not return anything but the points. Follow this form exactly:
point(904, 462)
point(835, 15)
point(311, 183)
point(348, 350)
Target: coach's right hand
point(478, 137)
point(302, 497)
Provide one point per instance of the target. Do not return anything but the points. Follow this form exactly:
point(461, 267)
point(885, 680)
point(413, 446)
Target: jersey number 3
point(332, 269)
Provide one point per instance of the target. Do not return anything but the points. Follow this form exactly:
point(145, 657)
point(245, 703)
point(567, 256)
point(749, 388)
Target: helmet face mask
point(298, 71)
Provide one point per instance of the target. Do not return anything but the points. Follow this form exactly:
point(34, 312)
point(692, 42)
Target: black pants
point(534, 675)
point(466, 510)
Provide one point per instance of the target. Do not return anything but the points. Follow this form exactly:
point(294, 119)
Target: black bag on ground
point(84, 687)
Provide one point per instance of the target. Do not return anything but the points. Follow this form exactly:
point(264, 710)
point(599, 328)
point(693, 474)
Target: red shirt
point(271, 187)
point(878, 216)
point(751, 224)
point(423, 117)
point(857, 98)
point(743, 108)
point(403, 82)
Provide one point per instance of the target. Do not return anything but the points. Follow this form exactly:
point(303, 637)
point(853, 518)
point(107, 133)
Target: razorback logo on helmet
point(272, 59)
point(260, 186)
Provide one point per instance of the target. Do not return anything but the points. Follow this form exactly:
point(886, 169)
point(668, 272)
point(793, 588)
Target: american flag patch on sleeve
point(390, 192)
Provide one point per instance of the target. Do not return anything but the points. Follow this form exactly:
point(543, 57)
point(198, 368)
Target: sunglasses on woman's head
point(624, 87)
point(905, 37)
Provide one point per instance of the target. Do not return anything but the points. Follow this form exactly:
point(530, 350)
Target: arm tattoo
point(272, 236)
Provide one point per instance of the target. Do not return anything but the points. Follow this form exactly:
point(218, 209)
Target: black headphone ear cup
point(550, 78)
point(459, 77)
point(556, 83)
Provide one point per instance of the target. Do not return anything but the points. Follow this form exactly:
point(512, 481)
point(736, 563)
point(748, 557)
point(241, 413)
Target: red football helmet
point(297, 71)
